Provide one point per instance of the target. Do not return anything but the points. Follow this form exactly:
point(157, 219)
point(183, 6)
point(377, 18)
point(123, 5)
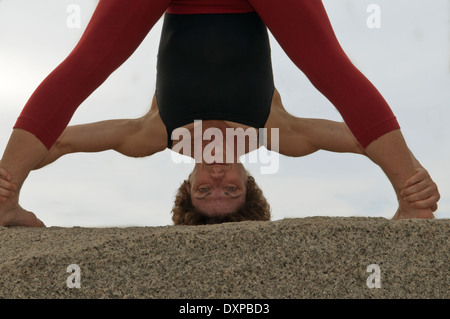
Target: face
point(218, 189)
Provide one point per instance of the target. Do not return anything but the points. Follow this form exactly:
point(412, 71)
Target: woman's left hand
point(420, 191)
point(7, 189)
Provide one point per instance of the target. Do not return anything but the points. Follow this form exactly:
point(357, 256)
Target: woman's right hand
point(421, 191)
point(419, 197)
point(7, 188)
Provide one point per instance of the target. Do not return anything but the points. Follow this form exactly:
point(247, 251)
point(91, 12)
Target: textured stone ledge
point(318, 257)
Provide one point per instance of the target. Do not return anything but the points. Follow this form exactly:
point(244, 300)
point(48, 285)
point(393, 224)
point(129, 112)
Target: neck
point(209, 143)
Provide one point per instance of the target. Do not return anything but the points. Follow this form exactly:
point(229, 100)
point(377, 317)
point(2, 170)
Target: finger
point(421, 195)
point(434, 208)
point(4, 174)
point(5, 196)
point(430, 191)
point(427, 203)
point(418, 187)
point(5, 193)
point(420, 175)
point(6, 185)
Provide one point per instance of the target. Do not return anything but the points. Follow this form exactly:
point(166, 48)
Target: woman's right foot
point(17, 216)
point(405, 211)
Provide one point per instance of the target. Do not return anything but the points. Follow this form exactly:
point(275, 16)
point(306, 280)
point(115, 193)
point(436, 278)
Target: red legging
point(114, 32)
point(303, 30)
point(117, 27)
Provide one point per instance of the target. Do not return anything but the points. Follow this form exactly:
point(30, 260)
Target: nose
point(217, 172)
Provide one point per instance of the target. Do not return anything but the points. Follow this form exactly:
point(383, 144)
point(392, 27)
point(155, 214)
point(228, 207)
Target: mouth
point(218, 164)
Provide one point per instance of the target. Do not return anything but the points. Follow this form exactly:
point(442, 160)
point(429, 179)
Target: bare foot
point(405, 211)
point(17, 216)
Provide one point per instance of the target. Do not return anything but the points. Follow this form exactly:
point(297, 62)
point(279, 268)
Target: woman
point(117, 28)
point(214, 192)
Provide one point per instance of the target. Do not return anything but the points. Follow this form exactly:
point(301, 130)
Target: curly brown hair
point(255, 207)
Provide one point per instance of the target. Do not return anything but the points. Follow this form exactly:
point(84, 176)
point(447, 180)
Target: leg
point(115, 31)
point(22, 154)
point(391, 153)
point(305, 33)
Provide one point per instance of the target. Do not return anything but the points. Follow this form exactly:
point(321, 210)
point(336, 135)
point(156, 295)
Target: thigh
point(118, 27)
point(302, 28)
point(304, 31)
point(114, 32)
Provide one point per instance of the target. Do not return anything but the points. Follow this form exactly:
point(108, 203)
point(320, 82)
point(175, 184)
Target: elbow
point(62, 146)
point(358, 149)
point(57, 150)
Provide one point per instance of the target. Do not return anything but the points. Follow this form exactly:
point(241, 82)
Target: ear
point(188, 187)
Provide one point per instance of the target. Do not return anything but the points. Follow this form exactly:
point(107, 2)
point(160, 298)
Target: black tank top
point(214, 67)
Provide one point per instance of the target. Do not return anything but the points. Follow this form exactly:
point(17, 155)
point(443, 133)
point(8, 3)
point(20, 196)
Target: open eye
point(203, 189)
point(231, 188)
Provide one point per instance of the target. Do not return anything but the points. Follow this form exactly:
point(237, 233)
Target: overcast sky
point(407, 58)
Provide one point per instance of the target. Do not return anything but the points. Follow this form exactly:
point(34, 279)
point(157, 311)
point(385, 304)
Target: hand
point(7, 189)
point(420, 191)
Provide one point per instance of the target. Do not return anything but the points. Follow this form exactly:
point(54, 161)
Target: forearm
point(88, 138)
point(334, 137)
point(337, 137)
point(306, 136)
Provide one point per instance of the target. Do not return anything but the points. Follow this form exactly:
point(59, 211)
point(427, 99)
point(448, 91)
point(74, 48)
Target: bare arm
point(302, 136)
point(134, 138)
point(305, 136)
